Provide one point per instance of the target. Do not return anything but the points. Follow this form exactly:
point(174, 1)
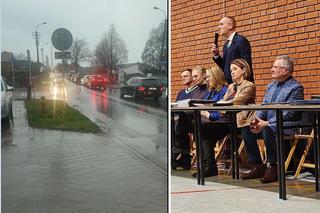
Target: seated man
point(197, 88)
point(186, 76)
point(284, 88)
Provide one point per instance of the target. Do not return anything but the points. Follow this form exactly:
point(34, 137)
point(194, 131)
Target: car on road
point(78, 77)
point(85, 80)
point(97, 82)
point(58, 79)
point(6, 101)
point(141, 87)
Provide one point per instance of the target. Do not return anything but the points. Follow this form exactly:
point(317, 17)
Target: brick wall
point(273, 27)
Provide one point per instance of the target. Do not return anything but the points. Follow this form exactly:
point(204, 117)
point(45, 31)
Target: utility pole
point(36, 34)
point(47, 60)
point(51, 59)
point(12, 69)
point(29, 68)
point(42, 55)
point(37, 44)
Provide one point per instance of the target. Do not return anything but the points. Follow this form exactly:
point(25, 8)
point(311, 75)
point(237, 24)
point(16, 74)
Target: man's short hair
point(232, 20)
point(288, 61)
point(188, 69)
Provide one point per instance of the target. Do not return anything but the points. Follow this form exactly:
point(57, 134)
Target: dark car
point(138, 87)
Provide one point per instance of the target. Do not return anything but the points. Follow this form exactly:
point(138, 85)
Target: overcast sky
point(85, 19)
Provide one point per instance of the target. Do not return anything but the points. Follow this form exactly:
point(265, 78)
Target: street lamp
point(164, 13)
point(163, 36)
point(37, 39)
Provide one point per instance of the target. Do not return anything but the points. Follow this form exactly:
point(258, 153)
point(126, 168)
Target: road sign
point(62, 55)
point(61, 39)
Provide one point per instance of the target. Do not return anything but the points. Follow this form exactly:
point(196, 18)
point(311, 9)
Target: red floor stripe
point(258, 187)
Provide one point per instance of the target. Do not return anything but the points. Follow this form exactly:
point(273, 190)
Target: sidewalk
point(223, 194)
point(64, 172)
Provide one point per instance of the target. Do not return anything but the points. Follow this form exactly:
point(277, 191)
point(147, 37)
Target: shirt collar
point(283, 82)
point(188, 90)
point(230, 38)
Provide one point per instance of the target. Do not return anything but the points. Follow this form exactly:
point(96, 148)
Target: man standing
point(237, 46)
point(284, 88)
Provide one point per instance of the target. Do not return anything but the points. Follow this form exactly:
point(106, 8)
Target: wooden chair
point(261, 146)
point(307, 136)
point(218, 149)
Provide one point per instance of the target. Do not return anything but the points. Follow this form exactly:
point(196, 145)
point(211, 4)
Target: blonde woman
point(240, 92)
point(217, 88)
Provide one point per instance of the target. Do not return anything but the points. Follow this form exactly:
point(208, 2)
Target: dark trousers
point(250, 141)
point(211, 132)
point(183, 128)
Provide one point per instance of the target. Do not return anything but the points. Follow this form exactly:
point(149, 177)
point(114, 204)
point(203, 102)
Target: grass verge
point(56, 115)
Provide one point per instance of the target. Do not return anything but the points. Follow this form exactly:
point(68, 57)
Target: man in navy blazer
point(237, 46)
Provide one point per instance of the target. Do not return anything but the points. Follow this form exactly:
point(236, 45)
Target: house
point(127, 71)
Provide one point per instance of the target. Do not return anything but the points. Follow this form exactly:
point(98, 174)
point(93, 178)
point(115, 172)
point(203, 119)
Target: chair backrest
point(308, 118)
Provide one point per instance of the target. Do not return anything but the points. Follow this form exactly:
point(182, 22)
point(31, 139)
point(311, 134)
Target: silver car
point(6, 101)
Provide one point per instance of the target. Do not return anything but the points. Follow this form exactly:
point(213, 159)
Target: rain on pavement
point(132, 132)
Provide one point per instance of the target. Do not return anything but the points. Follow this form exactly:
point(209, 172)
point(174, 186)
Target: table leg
point(316, 150)
point(172, 137)
point(199, 151)
point(281, 173)
point(234, 150)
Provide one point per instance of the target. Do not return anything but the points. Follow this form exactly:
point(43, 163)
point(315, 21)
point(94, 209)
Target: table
point(279, 108)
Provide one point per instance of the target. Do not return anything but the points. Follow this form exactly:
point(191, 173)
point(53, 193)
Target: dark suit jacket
point(239, 48)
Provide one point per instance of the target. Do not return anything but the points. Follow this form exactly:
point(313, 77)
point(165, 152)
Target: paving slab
point(60, 171)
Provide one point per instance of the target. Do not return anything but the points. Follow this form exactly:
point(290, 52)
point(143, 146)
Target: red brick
point(273, 27)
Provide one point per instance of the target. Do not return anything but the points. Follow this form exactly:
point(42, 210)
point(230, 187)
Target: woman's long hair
point(240, 62)
point(218, 80)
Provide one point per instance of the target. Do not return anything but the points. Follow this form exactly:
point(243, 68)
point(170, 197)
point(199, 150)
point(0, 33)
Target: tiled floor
point(223, 194)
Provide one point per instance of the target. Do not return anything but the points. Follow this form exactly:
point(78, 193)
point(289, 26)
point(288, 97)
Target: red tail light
point(105, 80)
point(141, 88)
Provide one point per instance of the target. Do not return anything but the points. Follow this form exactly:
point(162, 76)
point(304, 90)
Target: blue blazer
point(239, 48)
point(290, 91)
point(215, 96)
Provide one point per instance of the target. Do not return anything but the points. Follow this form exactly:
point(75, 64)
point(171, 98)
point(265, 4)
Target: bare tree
point(152, 50)
point(111, 50)
point(79, 53)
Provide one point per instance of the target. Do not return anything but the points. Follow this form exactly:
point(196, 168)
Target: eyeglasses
point(278, 67)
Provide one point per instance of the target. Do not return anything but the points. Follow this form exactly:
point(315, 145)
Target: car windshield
point(150, 82)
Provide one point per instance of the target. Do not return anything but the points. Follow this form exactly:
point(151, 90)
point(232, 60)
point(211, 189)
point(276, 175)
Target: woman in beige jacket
point(241, 92)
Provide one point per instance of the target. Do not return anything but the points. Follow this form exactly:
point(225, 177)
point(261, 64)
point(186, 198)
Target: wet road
point(122, 169)
point(63, 172)
point(141, 125)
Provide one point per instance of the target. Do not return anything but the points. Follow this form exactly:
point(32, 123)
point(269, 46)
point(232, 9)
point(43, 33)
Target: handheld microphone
point(216, 36)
